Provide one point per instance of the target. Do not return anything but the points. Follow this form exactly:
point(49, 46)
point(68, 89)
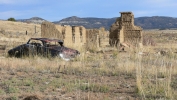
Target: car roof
point(47, 40)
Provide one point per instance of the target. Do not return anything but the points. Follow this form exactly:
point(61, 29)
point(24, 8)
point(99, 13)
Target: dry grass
point(107, 75)
point(87, 77)
point(19, 27)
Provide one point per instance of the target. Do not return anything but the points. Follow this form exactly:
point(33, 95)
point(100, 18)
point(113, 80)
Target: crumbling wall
point(83, 34)
point(76, 36)
point(114, 33)
point(103, 37)
point(96, 39)
point(124, 30)
point(49, 30)
point(92, 39)
point(73, 36)
point(133, 37)
point(67, 33)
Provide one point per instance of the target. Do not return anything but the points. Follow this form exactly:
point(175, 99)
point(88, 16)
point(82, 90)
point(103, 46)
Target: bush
point(11, 19)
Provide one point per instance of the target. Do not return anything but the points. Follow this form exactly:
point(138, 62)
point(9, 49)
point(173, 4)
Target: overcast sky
point(55, 10)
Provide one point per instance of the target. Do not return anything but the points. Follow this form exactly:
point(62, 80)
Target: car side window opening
point(52, 43)
point(35, 43)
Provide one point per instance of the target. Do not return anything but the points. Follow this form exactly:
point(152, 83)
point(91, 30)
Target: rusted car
point(45, 47)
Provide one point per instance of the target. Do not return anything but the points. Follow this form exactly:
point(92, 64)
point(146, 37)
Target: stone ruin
point(50, 30)
point(73, 36)
point(97, 38)
point(92, 38)
point(124, 31)
point(76, 36)
point(103, 37)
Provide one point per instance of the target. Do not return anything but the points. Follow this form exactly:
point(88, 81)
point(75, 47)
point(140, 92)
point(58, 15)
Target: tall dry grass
point(155, 74)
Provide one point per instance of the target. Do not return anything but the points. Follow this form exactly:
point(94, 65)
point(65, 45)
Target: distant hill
point(87, 22)
point(155, 22)
point(36, 20)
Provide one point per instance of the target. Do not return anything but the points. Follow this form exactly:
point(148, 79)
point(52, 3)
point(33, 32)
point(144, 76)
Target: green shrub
point(11, 19)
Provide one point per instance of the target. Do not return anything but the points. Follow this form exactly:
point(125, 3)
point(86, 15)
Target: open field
point(140, 74)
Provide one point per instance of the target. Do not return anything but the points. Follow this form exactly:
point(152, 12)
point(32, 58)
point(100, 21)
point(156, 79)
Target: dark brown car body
point(44, 48)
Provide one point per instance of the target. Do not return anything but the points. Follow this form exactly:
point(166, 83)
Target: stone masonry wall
point(49, 30)
point(92, 38)
point(124, 30)
point(76, 36)
point(96, 38)
point(73, 36)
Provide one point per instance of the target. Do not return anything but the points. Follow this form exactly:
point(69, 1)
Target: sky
point(55, 10)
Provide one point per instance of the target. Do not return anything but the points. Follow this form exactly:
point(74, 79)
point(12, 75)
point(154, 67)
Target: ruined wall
point(76, 36)
point(96, 39)
point(67, 34)
point(83, 34)
point(73, 36)
point(49, 30)
point(103, 37)
point(124, 30)
point(114, 36)
point(92, 39)
point(133, 36)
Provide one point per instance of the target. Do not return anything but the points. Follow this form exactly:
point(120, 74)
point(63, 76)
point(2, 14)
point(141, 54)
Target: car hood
point(67, 53)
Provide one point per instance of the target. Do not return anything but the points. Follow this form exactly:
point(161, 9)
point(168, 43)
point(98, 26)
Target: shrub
point(11, 19)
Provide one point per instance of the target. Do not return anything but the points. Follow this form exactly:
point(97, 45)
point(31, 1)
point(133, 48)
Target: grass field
point(139, 74)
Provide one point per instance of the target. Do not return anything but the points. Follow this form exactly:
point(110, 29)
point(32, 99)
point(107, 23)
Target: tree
point(11, 19)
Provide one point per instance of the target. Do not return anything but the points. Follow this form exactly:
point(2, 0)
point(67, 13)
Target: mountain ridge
point(36, 20)
point(154, 22)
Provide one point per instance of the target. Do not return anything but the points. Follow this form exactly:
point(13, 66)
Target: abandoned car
point(45, 47)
